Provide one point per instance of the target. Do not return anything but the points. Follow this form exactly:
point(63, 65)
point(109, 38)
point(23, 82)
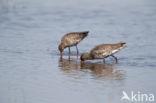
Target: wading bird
point(103, 51)
point(71, 39)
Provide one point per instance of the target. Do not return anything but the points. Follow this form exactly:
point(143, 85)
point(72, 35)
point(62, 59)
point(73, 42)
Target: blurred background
point(31, 30)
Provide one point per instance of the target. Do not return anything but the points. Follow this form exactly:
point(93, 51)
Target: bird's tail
point(84, 34)
point(122, 44)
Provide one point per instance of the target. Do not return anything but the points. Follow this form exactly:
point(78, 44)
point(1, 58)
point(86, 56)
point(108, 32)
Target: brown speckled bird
point(103, 51)
point(71, 39)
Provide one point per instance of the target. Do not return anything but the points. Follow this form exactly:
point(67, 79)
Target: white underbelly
point(115, 51)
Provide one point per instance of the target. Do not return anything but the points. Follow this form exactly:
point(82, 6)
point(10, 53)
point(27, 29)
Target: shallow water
point(30, 68)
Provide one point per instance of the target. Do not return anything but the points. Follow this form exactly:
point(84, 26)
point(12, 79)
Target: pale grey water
point(30, 69)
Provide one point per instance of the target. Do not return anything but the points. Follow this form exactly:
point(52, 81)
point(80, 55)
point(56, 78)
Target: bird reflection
point(69, 67)
point(68, 64)
point(105, 71)
point(72, 67)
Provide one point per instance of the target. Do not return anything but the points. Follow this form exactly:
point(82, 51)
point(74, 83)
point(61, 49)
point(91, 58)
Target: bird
point(103, 51)
point(71, 39)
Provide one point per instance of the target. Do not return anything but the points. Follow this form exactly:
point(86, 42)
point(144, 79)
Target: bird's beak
point(82, 61)
point(61, 59)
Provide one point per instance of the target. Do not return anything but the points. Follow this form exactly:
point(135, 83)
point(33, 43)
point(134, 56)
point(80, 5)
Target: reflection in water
point(69, 66)
point(72, 67)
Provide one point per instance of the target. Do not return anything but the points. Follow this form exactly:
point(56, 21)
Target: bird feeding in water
point(103, 51)
point(71, 39)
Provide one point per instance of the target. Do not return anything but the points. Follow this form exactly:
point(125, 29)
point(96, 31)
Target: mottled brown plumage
point(71, 39)
point(103, 51)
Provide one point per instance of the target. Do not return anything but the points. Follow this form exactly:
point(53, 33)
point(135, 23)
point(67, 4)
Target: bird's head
point(61, 48)
point(85, 56)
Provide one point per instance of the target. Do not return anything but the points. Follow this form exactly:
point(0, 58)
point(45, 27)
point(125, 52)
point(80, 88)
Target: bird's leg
point(103, 60)
point(69, 58)
point(69, 51)
point(116, 59)
point(77, 50)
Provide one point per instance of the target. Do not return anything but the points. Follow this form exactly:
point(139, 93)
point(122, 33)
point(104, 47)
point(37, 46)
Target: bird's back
point(101, 51)
point(105, 50)
point(73, 38)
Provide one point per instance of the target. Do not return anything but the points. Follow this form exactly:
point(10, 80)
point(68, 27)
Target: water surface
point(32, 72)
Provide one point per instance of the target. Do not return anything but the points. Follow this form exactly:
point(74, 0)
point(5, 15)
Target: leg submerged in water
point(77, 50)
point(116, 59)
point(69, 51)
point(103, 60)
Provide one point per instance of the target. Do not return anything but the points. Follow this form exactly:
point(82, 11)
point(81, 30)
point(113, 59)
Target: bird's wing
point(101, 51)
point(71, 39)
